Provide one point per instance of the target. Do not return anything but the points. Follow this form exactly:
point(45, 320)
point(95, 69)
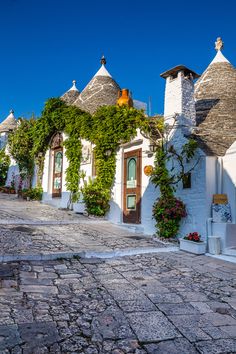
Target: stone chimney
point(179, 95)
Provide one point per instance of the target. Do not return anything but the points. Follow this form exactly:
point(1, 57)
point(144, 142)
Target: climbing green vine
point(58, 117)
point(169, 210)
point(110, 127)
point(106, 129)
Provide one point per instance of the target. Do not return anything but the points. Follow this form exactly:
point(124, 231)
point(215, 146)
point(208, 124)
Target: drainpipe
point(209, 230)
point(209, 226)
point(220, 181)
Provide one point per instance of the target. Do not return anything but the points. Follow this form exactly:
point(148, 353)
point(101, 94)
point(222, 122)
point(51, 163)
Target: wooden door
point(57, 172)
point(132, 187)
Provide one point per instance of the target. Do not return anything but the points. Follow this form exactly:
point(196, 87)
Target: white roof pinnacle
point(102, 72)
point(10, 115)
point(73, 88)
point(9, 123)
point(219, 58)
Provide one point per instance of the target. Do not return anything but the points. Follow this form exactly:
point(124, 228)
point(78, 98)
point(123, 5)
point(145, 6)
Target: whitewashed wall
point(47, 181)
point(13, 172)
point(148, 191)
point(79, 207)
point(195, 197)
point(179, 98)
point(3, 139)
point(229, 178)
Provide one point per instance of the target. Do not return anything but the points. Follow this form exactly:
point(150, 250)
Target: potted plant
point(192, 243)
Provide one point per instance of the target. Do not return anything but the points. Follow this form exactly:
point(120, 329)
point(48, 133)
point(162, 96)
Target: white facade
point(148, 192)
point(229, 178)
point(212, 175)
point(180, 114)
point(64, 200)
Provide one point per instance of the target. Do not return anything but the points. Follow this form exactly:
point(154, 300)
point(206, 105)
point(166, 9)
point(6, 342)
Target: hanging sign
point(148, 170)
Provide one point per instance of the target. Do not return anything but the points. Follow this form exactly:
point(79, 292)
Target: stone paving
point(31, 230)
point(169, 302)
point(162, 303)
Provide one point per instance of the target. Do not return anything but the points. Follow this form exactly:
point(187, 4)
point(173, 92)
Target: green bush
point(96, 198)
point(35, 193)
point(168, 212)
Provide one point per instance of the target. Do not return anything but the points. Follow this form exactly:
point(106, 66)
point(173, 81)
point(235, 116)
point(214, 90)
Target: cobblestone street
point(164, 302)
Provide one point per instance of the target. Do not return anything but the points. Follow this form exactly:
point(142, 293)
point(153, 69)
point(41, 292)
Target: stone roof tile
point(102, 90)
point(215, 94)
point(9, 123)
point(71, 95)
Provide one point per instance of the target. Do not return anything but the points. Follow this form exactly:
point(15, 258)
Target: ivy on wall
point(110, 127)
point(57, 116)
point(107, 129)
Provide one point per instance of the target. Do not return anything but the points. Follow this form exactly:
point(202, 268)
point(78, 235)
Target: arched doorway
point(132, 187)
point(57, 156)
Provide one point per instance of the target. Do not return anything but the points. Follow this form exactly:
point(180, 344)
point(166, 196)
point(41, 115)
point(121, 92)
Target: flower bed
point(192, 243)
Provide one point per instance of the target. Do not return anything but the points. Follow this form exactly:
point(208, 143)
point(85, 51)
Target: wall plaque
point(220, 199)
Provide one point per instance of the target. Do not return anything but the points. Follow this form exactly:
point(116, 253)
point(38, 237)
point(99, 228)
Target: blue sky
point(45, 44)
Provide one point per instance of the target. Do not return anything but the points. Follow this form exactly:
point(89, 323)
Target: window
point(58, 162)
point(131, 202)
point(187, 180)
point(94, 172)
point(131, 172)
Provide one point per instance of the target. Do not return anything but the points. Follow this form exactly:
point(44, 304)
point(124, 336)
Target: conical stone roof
point(215, 94)
point(71, 95)
point(9, 123)
point(102, 90)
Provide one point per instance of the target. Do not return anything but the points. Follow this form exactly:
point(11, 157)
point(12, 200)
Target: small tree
point(20, 143)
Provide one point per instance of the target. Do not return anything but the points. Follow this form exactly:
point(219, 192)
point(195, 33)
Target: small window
point(131, 202)
point(131, 169)
point(187, 180)
point(58, 162)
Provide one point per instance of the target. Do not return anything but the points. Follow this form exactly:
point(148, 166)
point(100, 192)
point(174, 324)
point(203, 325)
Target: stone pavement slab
point(84, 308)
point(168, 302)
point(35, 231)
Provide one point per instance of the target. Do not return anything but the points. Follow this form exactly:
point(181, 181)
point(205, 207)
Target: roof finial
point(219, 44)
point(103, 60)
point(12, 111)
point(73, 88)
